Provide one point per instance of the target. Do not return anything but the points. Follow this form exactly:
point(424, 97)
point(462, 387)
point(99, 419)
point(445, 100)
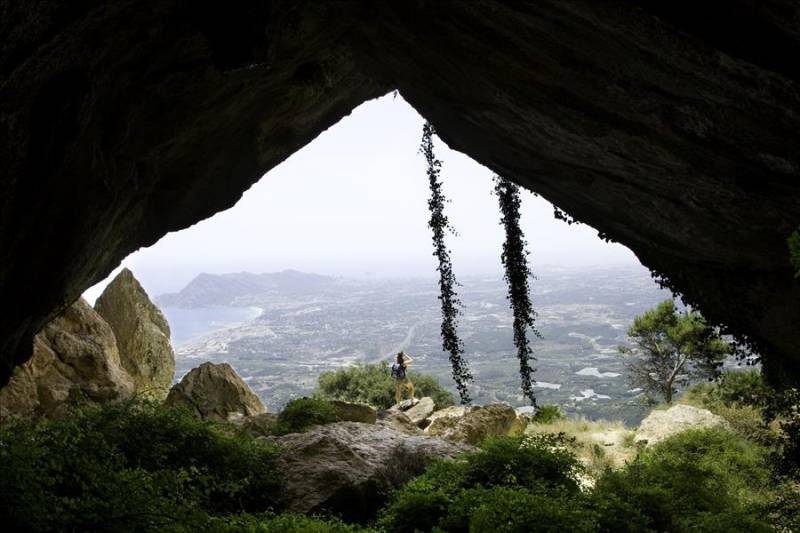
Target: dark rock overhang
point(670, 128)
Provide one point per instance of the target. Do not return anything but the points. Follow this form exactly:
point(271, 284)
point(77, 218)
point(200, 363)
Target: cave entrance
point(342, 225)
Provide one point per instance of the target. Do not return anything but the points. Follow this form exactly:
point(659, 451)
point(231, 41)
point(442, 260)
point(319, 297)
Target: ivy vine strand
point(451, 304)
point(517, 276)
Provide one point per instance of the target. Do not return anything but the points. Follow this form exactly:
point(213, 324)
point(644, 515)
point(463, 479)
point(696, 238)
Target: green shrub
point(504, 510)
point(535, 462)
point(302, 413)
point(547, 414)
point(282, 523)
point(130, 467)
point(694, 481)
point(784, 408)
point(373, 385)
point(540, 468)
point(742, 389)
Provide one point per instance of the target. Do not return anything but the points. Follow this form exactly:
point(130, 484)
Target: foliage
point(517, 274)
point(451, 304)
point(547, 414)
point(446, 495)
point(739, 397)
point(507, 510)
point(671, 349)
point(130, 467)
point(794, 250)
point(785, 408)
point(698, 480)
point(282, 523)
point(742, 388)
point(373, 385)
point(302, 413)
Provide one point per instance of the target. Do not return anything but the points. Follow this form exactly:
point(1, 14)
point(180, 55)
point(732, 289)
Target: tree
point(672, 348)
point(517, 274)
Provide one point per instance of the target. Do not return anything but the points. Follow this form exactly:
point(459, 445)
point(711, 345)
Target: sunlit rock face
point(216, 392)
point(142, 335)
point(74, 361)
point(672, 130)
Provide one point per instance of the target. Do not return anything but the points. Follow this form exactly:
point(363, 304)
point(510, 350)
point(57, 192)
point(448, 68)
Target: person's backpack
point(398, 371)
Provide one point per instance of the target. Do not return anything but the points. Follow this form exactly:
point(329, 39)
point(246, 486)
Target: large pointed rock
point(142, 335)
point(217, 392)
point(74, 359)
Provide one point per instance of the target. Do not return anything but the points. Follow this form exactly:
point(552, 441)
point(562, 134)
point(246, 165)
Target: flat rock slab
point(354, 412)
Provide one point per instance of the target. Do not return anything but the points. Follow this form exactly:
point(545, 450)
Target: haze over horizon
point(353, 203)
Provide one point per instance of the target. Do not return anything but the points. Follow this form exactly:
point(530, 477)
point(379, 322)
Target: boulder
point(74, 358)
point(261, 425)
point(405, 405)
point(662, 424)
point(454, 411)
point(477, 424)
point(398, 421)
point(417, 410)
point(348, 468)
point(354, 412)
point(421, 410)
point(215, 391)
point(142, 335)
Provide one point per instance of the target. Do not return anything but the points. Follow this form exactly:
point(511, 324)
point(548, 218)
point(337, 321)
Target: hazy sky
point(354, 203)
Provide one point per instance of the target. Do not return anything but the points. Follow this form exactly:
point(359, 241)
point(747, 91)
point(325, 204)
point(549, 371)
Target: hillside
point(242, 288)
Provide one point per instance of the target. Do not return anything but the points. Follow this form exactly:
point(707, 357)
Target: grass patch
point(598, 444)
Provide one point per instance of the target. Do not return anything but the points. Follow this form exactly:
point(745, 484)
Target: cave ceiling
point(671, 128)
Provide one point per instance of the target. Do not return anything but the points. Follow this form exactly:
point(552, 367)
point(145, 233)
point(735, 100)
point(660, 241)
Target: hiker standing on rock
point(400, 377)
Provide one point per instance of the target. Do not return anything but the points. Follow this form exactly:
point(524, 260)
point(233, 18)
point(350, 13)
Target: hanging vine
point(517, 275)
point(451, 305)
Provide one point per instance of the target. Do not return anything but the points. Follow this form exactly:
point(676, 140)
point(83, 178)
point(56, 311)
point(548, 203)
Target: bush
point(547, 414)
point(130, 467)
point(785, 409)
point(699, 480)
point(448, 493)
point(302, 413)
point(742, 389)
point(283, 523)
point(739, 397)
point(535, 462)
point(504, 510)
point(373, 385)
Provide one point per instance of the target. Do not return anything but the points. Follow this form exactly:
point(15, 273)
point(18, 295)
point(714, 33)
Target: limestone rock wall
point(142, 335)
point(75, 359)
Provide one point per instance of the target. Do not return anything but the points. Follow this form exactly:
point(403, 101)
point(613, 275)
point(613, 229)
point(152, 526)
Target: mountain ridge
point(237, 289)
